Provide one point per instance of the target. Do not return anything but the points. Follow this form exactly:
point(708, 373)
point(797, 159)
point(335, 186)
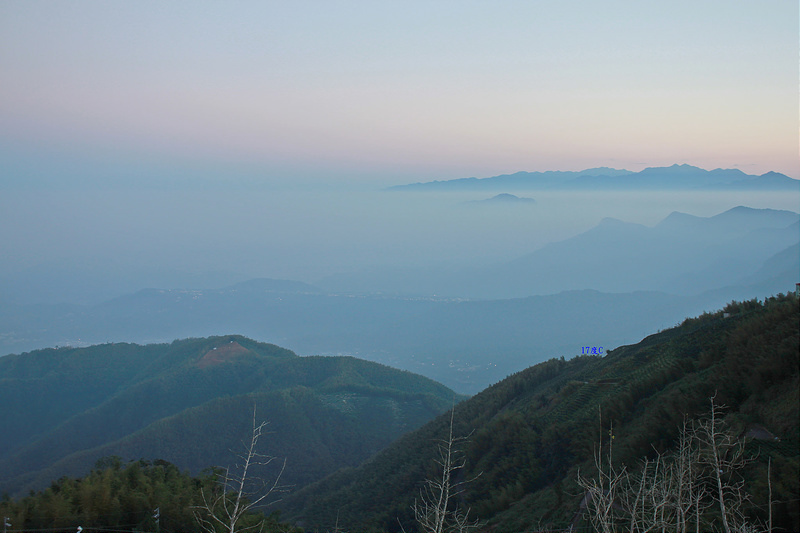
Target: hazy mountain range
point(649, 279)
point(467, 327)
point(653, 178)
point(682, 254)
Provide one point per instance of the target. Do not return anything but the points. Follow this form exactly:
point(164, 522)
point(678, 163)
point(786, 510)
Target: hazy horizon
point(254, 139)
point(387, 93)
point(203, 239)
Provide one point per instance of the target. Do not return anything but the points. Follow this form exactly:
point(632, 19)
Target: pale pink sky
point(392, 92)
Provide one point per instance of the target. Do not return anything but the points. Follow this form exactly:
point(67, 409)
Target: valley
point(467, 330)
point(399, 267)
point(359, 439)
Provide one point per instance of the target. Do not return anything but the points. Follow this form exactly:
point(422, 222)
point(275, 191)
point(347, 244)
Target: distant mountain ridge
point(681, 177)
point(503, 199)
point(629, 256)
point(626, 256)
point(681, 254)
point(541, 305)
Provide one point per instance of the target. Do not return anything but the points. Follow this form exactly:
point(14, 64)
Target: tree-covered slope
point(190, 402)
point(138, 496)
point(530, 433)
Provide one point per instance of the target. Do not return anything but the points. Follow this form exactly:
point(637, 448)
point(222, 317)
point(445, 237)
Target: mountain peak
point(505, 199)
point(773, 174)
point(223, 353)
point(681, 169)
point(744, 211)
point(676, 218)
point(676, 176)
point(611, 221)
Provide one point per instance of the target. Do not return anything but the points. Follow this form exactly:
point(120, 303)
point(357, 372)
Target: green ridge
point(191, 401)
point(532, 431)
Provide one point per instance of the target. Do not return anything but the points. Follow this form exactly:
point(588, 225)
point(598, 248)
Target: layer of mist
point(462, 287)
point(89, 246)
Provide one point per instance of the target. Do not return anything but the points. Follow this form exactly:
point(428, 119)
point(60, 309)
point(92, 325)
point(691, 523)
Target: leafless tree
point(769, 484)
point(645, 495)
point(672, 491)
point(689, 491)
point(433, 509)
point(601, 491)
point(723, 454)
point(239, 490)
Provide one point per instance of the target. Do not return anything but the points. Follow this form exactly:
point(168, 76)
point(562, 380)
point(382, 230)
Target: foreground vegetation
point(137, 496)
point(189, 402)
point(532, 433)
point(592, 443)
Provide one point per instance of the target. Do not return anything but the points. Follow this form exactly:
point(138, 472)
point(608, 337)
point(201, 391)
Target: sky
point(196, 143)
point(376, 93)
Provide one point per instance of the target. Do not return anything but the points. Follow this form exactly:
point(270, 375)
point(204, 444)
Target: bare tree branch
point(432, 511)
point(238, 491)
point(670, 492)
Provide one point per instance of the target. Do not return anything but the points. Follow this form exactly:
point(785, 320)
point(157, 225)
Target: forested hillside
point(191, 402)
point(138, 496)
point(530, 435)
